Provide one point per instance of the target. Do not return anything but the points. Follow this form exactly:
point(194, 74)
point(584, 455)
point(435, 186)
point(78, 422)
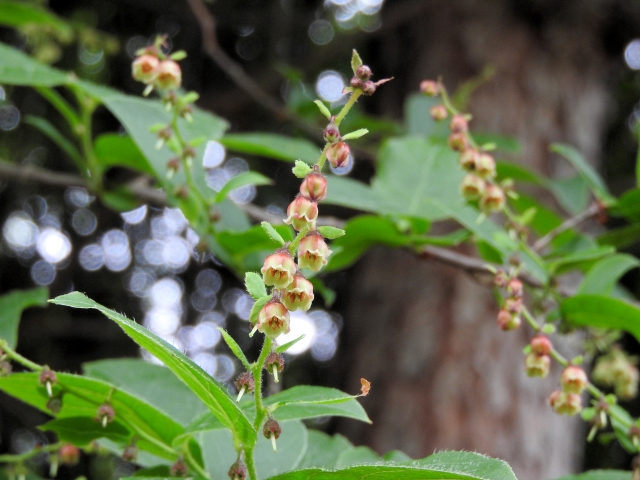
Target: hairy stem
point(8, 458)
point(347, 106)
point(16, 357)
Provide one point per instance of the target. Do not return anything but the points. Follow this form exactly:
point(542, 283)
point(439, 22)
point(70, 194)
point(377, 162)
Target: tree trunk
point(443, 375)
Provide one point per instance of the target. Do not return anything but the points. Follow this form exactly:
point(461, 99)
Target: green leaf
point(115, 150)
point(601, 311)
point(272, 233)
point(627, 206)
point(81, 431)
point(283, 348)
point(255, 285)
point(17, 68)
point(305, 401)
point(577, 259)
point(235, 348)
point(56, 137)
point(473, 464)
point(18, 14)
point(219, 454)
point(604, 275)
point(572, 193)
point(301, 169)
point(247, 178)
point(323, 450)
point(356, 61)
point(83, 396)
point(323, 109)
point(357, 456)
point(214, 395)
point(599, 475)
point(273, 146)
point(330, 232)
point(620, 237)
point(255, 310)
point(355, 134)
point(588, 173)
point(155, 384)
point(11, 306)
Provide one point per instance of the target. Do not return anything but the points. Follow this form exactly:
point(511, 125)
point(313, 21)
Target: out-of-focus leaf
point(604, 275)
point(81, 431)
point(17, 68)
point(17, 14)
point(621, 237)
point(599, 475)
point(588, 173)
point(323, 450)
point(273, 146)
point(247, 178)
point(115, 150)
point(56, 137)
point(11, 306)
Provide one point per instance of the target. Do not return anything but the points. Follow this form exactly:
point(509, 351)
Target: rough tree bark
point(443, 375)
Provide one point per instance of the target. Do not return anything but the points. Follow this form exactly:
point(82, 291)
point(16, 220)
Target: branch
point(568, 224)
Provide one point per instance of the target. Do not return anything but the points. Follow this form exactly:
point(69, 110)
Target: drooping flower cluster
point(567, 401)
point(509, 314)
point(616, 369)
point(155, 69)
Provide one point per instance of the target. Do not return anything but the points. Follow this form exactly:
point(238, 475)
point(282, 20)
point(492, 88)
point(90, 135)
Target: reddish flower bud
point(429, 88)
point(179, 468)
point(69, 454)
point(457, 141)
point(278, 270)
point(355, 82)
point(105, 414)
point(302, 213)
point(513, 305)
point(298, 295)
point(272, 431)
point(331, 133)
point(501, 279)
point(537, 365)
point(244, 383)
point(368, 88)
point(145, 68)
point(493, 199)
point(363, 72)
point(438, 112)
point(508, 321)
point(468, 159)
point(573, 379)
point(541, 345)
point(514, 287)
point(313, 252)
point(338, 154)
point(485, 165)
point(169, 75)
point(472, 187)
point(314, 186)
point(274, 361)
point(238, 470)
point(565, 403)
point(48, 379)
point(459, 124)
point(273, 319)
point(130, 453)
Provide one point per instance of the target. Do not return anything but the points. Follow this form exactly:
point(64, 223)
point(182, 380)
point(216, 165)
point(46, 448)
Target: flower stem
point(9, 458)
point(347, 106)
point(16, 357)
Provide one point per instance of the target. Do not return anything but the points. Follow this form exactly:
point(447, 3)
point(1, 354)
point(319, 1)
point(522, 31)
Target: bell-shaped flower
point(298, 295)
point(169, 75)
point(273, 319)
point(314, 186)
point(145, 68)
point(278, 270)
point(301, 213)
point(338, 154)
point(313, 252)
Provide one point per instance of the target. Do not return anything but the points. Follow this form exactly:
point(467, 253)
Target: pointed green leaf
point(330, 232)
point(356, 134)
point(324, 450)
point(118, 150)
point(255, 310)
point(288, 345)
point(235, 348)
point(11, 306)
point(301, 169)
point(576, 159)
point(247, 178)
point(356, 61)
point(604, 275)
point(323, 109)
point(254, 284)
point(357, 456)
point(272, 233)
point(18, 68)
point(56, 137)
point(273, 146)
point(214, 395)
point(81, 431)
point(468, 463)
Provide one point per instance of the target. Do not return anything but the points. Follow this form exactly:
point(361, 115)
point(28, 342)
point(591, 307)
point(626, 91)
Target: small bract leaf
point(357, 134)
point(272, 233)
point(286, 346)
point(323, 109)
point(235, 348)
point(301, 169)
point(179, 55)
point(255, 310)
point(255, 285)
point(356, 61)
point(330, 232)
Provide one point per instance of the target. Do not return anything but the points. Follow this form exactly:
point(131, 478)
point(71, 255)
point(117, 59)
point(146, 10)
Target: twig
point(568, 224)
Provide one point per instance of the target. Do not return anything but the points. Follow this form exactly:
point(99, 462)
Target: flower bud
point(244, 383)
point(48, 378)
point(493, 199)
point(513, 305)
point(105, 414)
point(298, 295)
point(459, 124)
point(169, 75)
point(338, 154)
point(272, 431)
point(616, 369)
point(457, 141)
point(537, 365)
point(313, 252)
point(430, 88)
point(302, 213)
point(468, 159)
point(145, 68)
point(179, 468)
point(238, 470)
point(508, 321)
point(173, 165)
point(438, 112)
point(565, 403)
point(355, 82)
point(541, 345)
point(573, 379)
point(273, 319)
point(130, 453)
point(69, 454)
point(314, 186)
point(501, 279)
point(331, 133)
point(514, 288)
point(274, 363)
point(368, 88)
point(363, 72)
point(472, 187)
point(485, 165)
point(278, 269)
point(54, 405)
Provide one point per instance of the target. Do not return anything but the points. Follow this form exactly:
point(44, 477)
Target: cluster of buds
point(537, 361)
point(479, 184)
point(567, 401)
point(509, 314)
point(338, 150)
point(157, 70)
point(616, 369)
point(362, 81)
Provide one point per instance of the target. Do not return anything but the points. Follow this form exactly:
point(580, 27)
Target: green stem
point(530, 320)
point(183, 145)
point(16, 357)
point(347, 106)
point(296, 241)
point(60, 104)
point(256, 371)
point(83, 130)
point(251, 464)
point(194, 464)
point(8, 458)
